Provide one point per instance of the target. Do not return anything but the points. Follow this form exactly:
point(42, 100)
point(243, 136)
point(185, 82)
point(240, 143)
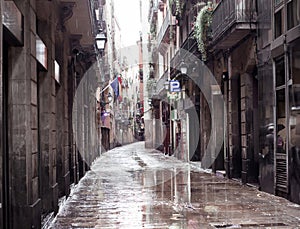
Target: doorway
point(280, 143)
point(235, 133)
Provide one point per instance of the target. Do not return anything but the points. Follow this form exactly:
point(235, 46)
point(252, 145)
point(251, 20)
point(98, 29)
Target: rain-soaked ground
point(131, 187)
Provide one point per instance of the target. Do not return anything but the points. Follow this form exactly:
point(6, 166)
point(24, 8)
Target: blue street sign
point(175, 86)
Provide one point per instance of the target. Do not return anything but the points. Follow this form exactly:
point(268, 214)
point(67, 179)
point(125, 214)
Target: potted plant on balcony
point(176, 7)
point(151, 84)
point(202, 28)
point(153, 30)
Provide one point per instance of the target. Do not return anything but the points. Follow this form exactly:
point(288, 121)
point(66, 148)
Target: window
point(278, 24)
point(280, 102)
point(295, 64)
point(295, 98)
point(293, 13)
point(277, 2)
point(280, 72)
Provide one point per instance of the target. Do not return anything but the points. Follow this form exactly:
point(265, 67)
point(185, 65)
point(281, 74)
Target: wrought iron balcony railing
point(160, 85)
point(168, 21)
point(233, 16)
point(152, 13)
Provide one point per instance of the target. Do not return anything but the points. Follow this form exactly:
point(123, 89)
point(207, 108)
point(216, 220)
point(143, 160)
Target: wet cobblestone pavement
point(131, 187)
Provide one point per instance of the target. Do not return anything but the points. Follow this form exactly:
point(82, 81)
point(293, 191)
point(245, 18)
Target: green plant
point(153, 31)
point(202, 25)
point(179, 4)
point(170, 4)
point(151, 83)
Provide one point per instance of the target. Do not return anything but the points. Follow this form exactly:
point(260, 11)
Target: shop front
point(287, 121)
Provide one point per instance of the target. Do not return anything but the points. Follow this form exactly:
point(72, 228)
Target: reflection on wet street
point(131, 187)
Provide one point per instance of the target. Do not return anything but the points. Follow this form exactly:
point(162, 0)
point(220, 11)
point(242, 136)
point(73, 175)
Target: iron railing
point(229, 12)
point(152, 12)
point(168, 20)
point(161, 83)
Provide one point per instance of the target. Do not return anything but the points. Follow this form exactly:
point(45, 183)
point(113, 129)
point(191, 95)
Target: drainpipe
point(287, 73)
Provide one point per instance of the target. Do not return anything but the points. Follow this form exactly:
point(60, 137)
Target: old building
point(251, 49)
point(232, 38)
point(278, 72)
point(44, 56)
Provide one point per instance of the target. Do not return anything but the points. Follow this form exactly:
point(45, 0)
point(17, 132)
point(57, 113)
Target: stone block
point(53, 104)
point(53, 87)
point(32, 20)
point(33, 44)
point(66, 139)
point(33, 72)
point(66, 112)
point(243, 128)
point(33, 117)
point(243, 116)
point(244, 152)
point(66, 125)
point(231, 149)
point(18, 114)
point(53, 139)
point(229, 119)
point(53, 176)
point(243, 92)
point(244, 141)
point(229, 108)
point(54, 157)
point(34, 165)
point(34, 141)
point(230, 140)
point(18, 179)
point(52, 118)
point(18, 91)
point(66, 163)
point(66, 152)
point(243, 104)
point(33, 93)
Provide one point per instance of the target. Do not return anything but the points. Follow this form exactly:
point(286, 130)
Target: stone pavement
point(132, 187)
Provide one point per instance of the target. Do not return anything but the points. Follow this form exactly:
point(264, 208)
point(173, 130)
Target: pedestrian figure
point(269, 145)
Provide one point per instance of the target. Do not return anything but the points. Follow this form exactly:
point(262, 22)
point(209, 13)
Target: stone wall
point(40, 141)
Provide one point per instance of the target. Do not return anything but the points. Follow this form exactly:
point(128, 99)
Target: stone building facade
point(251, 49)
point(43, 57)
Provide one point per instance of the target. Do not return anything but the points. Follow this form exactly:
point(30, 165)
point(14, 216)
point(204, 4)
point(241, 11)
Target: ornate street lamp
point(183, 68)
point(167, 85)
point(101, 40)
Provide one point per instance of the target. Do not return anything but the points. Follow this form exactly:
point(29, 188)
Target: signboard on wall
point(174, 86)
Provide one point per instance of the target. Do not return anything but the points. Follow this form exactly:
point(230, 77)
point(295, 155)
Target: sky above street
point(128, 16)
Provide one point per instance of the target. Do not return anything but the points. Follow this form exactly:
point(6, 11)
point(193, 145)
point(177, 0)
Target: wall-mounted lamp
point(167, 85)
point(183, 68)
point(101, 40)
point(225, 76)
point(150, 102)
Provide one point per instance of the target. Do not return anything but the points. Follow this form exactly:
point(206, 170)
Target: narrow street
point(133, 187)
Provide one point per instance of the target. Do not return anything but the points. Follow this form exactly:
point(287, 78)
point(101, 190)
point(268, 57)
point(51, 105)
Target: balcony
point(232, 21)
point(164, 35)
point(160, 85)
point(152, 17)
